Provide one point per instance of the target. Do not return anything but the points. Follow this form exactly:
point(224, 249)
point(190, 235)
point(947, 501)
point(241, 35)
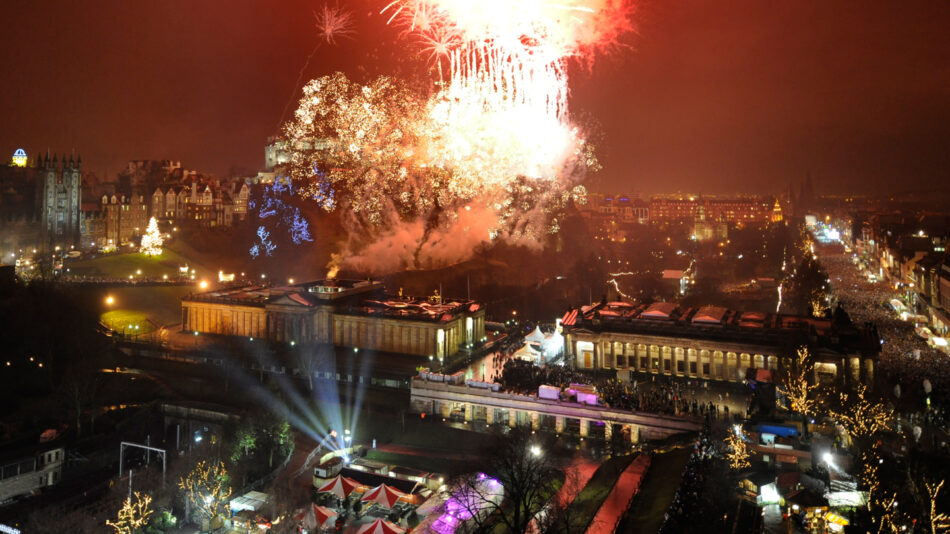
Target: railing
point(420, 386)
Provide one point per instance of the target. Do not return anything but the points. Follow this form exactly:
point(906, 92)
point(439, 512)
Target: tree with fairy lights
point(801, 394)
point(798, 390)
point(939, 521)
point(861, 417)
point(207, 488)
point(152, 240)
point(738, 454)
point(133, 516)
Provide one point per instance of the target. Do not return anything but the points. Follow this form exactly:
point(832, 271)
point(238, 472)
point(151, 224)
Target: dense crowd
point(906, 359)
point(689, 499)
point(658, 395)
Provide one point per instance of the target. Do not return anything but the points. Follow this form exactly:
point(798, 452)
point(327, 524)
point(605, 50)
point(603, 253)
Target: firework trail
point(332, 23)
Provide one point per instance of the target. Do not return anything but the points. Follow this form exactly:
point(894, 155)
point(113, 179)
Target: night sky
point(711, 96)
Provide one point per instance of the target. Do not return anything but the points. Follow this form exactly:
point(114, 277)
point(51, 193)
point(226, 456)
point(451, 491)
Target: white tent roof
point(252, 501)
point(537, 336)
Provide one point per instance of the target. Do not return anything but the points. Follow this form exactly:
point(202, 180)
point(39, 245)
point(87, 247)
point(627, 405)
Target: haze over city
point(710, 96)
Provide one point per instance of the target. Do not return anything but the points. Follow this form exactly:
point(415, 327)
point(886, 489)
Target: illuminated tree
point(207, 488)
point(868, 476)
point(861, 417)
point(796, 387)
point(739, 452)
point(939, 521)
point(152, 240)
point(133, 515)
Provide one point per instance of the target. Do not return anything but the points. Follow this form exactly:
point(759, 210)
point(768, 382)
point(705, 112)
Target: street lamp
point(110, 300)
point(535, 450)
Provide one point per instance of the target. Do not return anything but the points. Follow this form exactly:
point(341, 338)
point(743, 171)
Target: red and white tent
point(339, 486)
point(383, 495)
point(316, 517)
point(380, 527)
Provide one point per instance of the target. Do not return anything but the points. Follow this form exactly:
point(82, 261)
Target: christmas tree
point(152, 240)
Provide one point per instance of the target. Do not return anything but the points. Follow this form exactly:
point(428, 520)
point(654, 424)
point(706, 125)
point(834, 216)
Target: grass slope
point(584, 507)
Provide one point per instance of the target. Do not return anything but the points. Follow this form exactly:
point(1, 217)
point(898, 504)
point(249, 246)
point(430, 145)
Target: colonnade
point(668, 358)
point(513, 418)
point(696, 359)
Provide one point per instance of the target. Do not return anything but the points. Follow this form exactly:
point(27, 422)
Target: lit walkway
point(617, 502)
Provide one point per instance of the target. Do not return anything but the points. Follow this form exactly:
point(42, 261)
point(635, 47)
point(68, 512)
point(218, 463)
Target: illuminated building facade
point(61, 197)
point(731, 210)
point(345, 313)
point(711, 343)
point(19, 158)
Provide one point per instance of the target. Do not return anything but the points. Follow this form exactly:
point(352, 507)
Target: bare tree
point(507, 486)
point(310, 360)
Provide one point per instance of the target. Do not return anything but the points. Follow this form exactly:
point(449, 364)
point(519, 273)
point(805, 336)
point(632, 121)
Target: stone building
point(208, 204)
point(346, 313)
point(712, 343)
point(62, 192)
point(39, 203)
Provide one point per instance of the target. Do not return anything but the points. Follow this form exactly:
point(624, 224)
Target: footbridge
point(496, 407)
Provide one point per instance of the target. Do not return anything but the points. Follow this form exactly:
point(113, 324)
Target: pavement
point(618, 500)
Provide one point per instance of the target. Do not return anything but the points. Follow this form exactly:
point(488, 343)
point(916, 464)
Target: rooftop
point(349, 297)
point(713, 322)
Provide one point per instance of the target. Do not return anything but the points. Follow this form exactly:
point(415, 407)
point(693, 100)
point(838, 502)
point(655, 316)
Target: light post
point(109, 302)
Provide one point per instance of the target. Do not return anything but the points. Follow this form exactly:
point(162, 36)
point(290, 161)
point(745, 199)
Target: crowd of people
point(657, 395)
point(906, 359)
point(690, 499)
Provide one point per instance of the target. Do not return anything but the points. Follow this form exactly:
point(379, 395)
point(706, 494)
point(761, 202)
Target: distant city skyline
point(710, 97)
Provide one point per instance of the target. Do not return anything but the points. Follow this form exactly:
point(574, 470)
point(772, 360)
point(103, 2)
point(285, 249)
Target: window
point(705, 369)
point(692, 368)
point(680, 367)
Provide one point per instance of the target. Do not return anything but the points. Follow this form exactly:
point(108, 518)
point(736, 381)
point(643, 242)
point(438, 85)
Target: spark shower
point(490, 153)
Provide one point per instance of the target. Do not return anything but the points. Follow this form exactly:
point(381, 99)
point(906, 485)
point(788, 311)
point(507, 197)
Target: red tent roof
point(383, 495)
point(339, 486)
point(380, 527)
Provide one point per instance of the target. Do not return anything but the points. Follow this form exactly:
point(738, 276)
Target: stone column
point(608, 431)
point(445, 408)
point(559, 424)
point(585, 427)
point(535, 420)
point(634, 434)
point(489, 415)
point(468, 412)
point(512, 418)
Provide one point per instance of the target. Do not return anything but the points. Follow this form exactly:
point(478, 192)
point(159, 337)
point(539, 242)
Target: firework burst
point(494, 148)
point(334, 23)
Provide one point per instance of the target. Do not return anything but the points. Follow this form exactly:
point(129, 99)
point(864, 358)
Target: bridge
point(478, 404)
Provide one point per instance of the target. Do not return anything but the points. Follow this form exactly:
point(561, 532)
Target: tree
point(738, 454)
point(861, 417)
point(939, 521)
point(318, 358)
point(795, 384)
point(508, 484)
point(207, 488)
point(133, 515)
point(152, 240)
